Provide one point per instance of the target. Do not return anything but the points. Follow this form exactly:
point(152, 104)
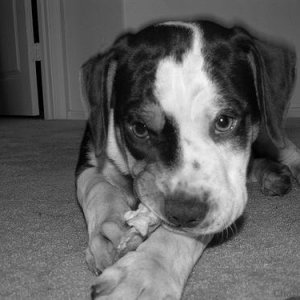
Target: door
point(18, 85)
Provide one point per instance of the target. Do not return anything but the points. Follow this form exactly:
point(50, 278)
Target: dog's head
point(178, 105)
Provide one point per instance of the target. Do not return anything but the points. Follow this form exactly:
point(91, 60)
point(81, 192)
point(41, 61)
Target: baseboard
point(294, 112)
point(77, 115)
point(292, 123)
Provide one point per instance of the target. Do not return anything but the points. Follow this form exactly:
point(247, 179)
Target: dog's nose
point(186, 210)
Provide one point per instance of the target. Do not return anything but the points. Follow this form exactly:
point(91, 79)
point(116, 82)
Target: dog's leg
point(290, 156)
point(273, 177)
point(158, 269)
point(275, 166)
point(104, 206)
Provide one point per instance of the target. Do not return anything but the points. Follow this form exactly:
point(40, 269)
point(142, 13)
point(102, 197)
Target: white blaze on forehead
point(184, 88)
point(187, 93)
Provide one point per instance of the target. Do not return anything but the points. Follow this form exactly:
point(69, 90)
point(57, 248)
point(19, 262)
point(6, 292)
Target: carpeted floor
point(43, 234)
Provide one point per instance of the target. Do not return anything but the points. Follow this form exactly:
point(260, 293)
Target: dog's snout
point(186, 210)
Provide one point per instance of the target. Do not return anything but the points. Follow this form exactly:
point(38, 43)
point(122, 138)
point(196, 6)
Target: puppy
point(181, 111)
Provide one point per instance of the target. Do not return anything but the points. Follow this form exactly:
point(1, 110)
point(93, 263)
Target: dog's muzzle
point(178, 209)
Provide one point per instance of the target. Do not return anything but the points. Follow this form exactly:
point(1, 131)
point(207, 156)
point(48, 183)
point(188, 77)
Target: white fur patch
point(187, 93)
point(92, 158)
point(184, 89)
point(113, 150)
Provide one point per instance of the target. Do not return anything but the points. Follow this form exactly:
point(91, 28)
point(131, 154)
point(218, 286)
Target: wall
point(91, 25)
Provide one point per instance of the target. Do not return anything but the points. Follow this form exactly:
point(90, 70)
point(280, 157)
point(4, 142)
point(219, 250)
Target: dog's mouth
point(200, 222)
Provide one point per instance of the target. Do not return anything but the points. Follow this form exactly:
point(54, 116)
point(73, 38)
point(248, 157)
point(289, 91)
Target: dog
point(197, 107)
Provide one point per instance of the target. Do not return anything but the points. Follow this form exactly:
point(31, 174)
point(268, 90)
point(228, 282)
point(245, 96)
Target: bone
point(142, 223)
point(143, 220)
point(146, 189)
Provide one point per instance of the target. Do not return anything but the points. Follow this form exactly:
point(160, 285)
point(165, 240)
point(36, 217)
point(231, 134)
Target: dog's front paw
point(276, 181)
point(112, 241)
point(136, 276)
point(99, 254)
point(103, 243)
point(295, 169)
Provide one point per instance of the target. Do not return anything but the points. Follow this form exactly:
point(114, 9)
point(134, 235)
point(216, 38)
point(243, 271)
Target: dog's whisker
point(235, 228)
point(227, 232)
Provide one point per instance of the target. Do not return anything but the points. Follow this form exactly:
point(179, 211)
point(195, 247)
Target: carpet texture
point(43, 233)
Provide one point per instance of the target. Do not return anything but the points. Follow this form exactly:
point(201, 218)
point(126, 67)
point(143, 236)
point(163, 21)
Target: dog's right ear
point(97, 81)
point(273, 64)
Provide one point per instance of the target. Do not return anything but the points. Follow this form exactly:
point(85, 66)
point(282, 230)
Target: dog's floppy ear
point(97, 81)
point(273, 66)
point(96, 88)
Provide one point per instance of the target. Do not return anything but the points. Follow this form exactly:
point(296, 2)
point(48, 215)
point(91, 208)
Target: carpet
point(43, 233)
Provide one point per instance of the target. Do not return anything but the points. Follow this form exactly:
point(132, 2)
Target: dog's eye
point(139, 129)
point(225, 123)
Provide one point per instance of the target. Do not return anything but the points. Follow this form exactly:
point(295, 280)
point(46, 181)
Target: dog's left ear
point(97, 80)
point(274, 70)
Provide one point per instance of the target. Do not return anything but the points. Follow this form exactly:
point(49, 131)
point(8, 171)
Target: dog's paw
point(276, 181)
point(99, 254)
point(136, 276)
point(295, 169)
point(107, 245)
point(102, 250)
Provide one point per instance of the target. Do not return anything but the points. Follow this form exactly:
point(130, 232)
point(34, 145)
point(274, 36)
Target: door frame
point(54, 75)
point(31, 58)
